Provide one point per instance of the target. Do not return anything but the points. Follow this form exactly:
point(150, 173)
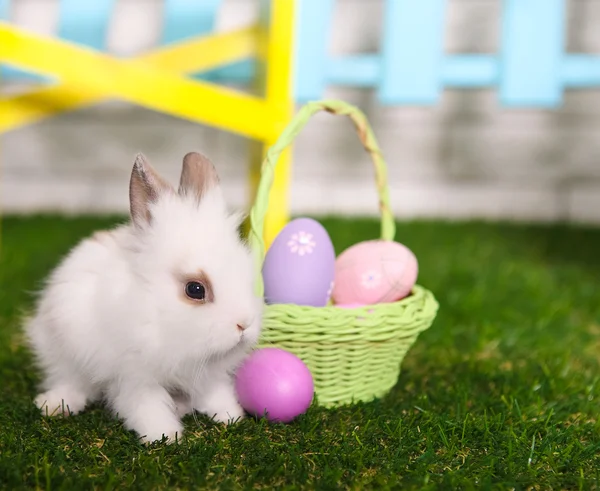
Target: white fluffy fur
point(112, 322)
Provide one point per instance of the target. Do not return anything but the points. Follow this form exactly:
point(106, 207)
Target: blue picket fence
point(531, 69)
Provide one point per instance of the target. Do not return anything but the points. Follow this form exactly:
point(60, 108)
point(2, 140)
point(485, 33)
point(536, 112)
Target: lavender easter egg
point(300, 264)
point(374, 271)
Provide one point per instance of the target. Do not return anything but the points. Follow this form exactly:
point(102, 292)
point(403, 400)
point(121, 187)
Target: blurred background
point(465, 154)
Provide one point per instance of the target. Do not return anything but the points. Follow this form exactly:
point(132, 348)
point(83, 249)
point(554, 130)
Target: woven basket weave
point(353, 354)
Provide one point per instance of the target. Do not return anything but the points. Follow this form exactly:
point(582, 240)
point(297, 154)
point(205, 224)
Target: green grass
point(502, 392)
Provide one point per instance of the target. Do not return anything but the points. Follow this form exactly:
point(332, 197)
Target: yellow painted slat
point(24, 109)
point(206, 52)
point(279, 56)
point(138, 82)
point(278, 88)
point(186, 57)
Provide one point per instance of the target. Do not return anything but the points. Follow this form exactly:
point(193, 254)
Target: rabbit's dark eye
point(195, 290)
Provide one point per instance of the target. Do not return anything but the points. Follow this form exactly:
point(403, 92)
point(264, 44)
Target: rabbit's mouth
point(241, 343)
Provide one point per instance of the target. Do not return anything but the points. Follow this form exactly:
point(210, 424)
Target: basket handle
point(365, 134)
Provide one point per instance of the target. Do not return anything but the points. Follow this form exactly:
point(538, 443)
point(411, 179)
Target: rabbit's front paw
point(232, 414)
point(61, 401)
point(172, 432)
point(155, 421)
point(146, 409)
point(220, 404)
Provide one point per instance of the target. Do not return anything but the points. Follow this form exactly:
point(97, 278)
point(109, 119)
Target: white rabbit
point(155, 315)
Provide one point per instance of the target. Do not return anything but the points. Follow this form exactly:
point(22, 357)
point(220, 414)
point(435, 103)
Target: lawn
point(502, 392)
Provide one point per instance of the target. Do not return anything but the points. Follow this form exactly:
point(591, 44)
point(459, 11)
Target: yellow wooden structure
point(157, 81)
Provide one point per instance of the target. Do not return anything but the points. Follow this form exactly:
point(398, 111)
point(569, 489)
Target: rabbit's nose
point(242, 327)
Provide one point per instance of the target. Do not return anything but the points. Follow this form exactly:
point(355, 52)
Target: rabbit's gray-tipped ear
point(145, 187)
point(198, 175)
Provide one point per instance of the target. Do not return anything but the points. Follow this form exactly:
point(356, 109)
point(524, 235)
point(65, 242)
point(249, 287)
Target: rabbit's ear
point(198, 175)
point(145, 187)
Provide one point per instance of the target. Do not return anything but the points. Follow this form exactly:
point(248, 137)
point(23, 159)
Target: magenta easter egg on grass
point(374, 271)
point(275, 383)
point(299, 266)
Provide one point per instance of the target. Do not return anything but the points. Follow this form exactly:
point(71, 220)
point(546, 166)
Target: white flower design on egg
point(301, 243)
point(371, 279)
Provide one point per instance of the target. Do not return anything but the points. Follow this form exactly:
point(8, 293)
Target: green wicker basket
point(353, 354)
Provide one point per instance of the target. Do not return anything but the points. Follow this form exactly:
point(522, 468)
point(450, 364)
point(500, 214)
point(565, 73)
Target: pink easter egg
point(374, 271)
point(349, 305)
point(355, 306)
